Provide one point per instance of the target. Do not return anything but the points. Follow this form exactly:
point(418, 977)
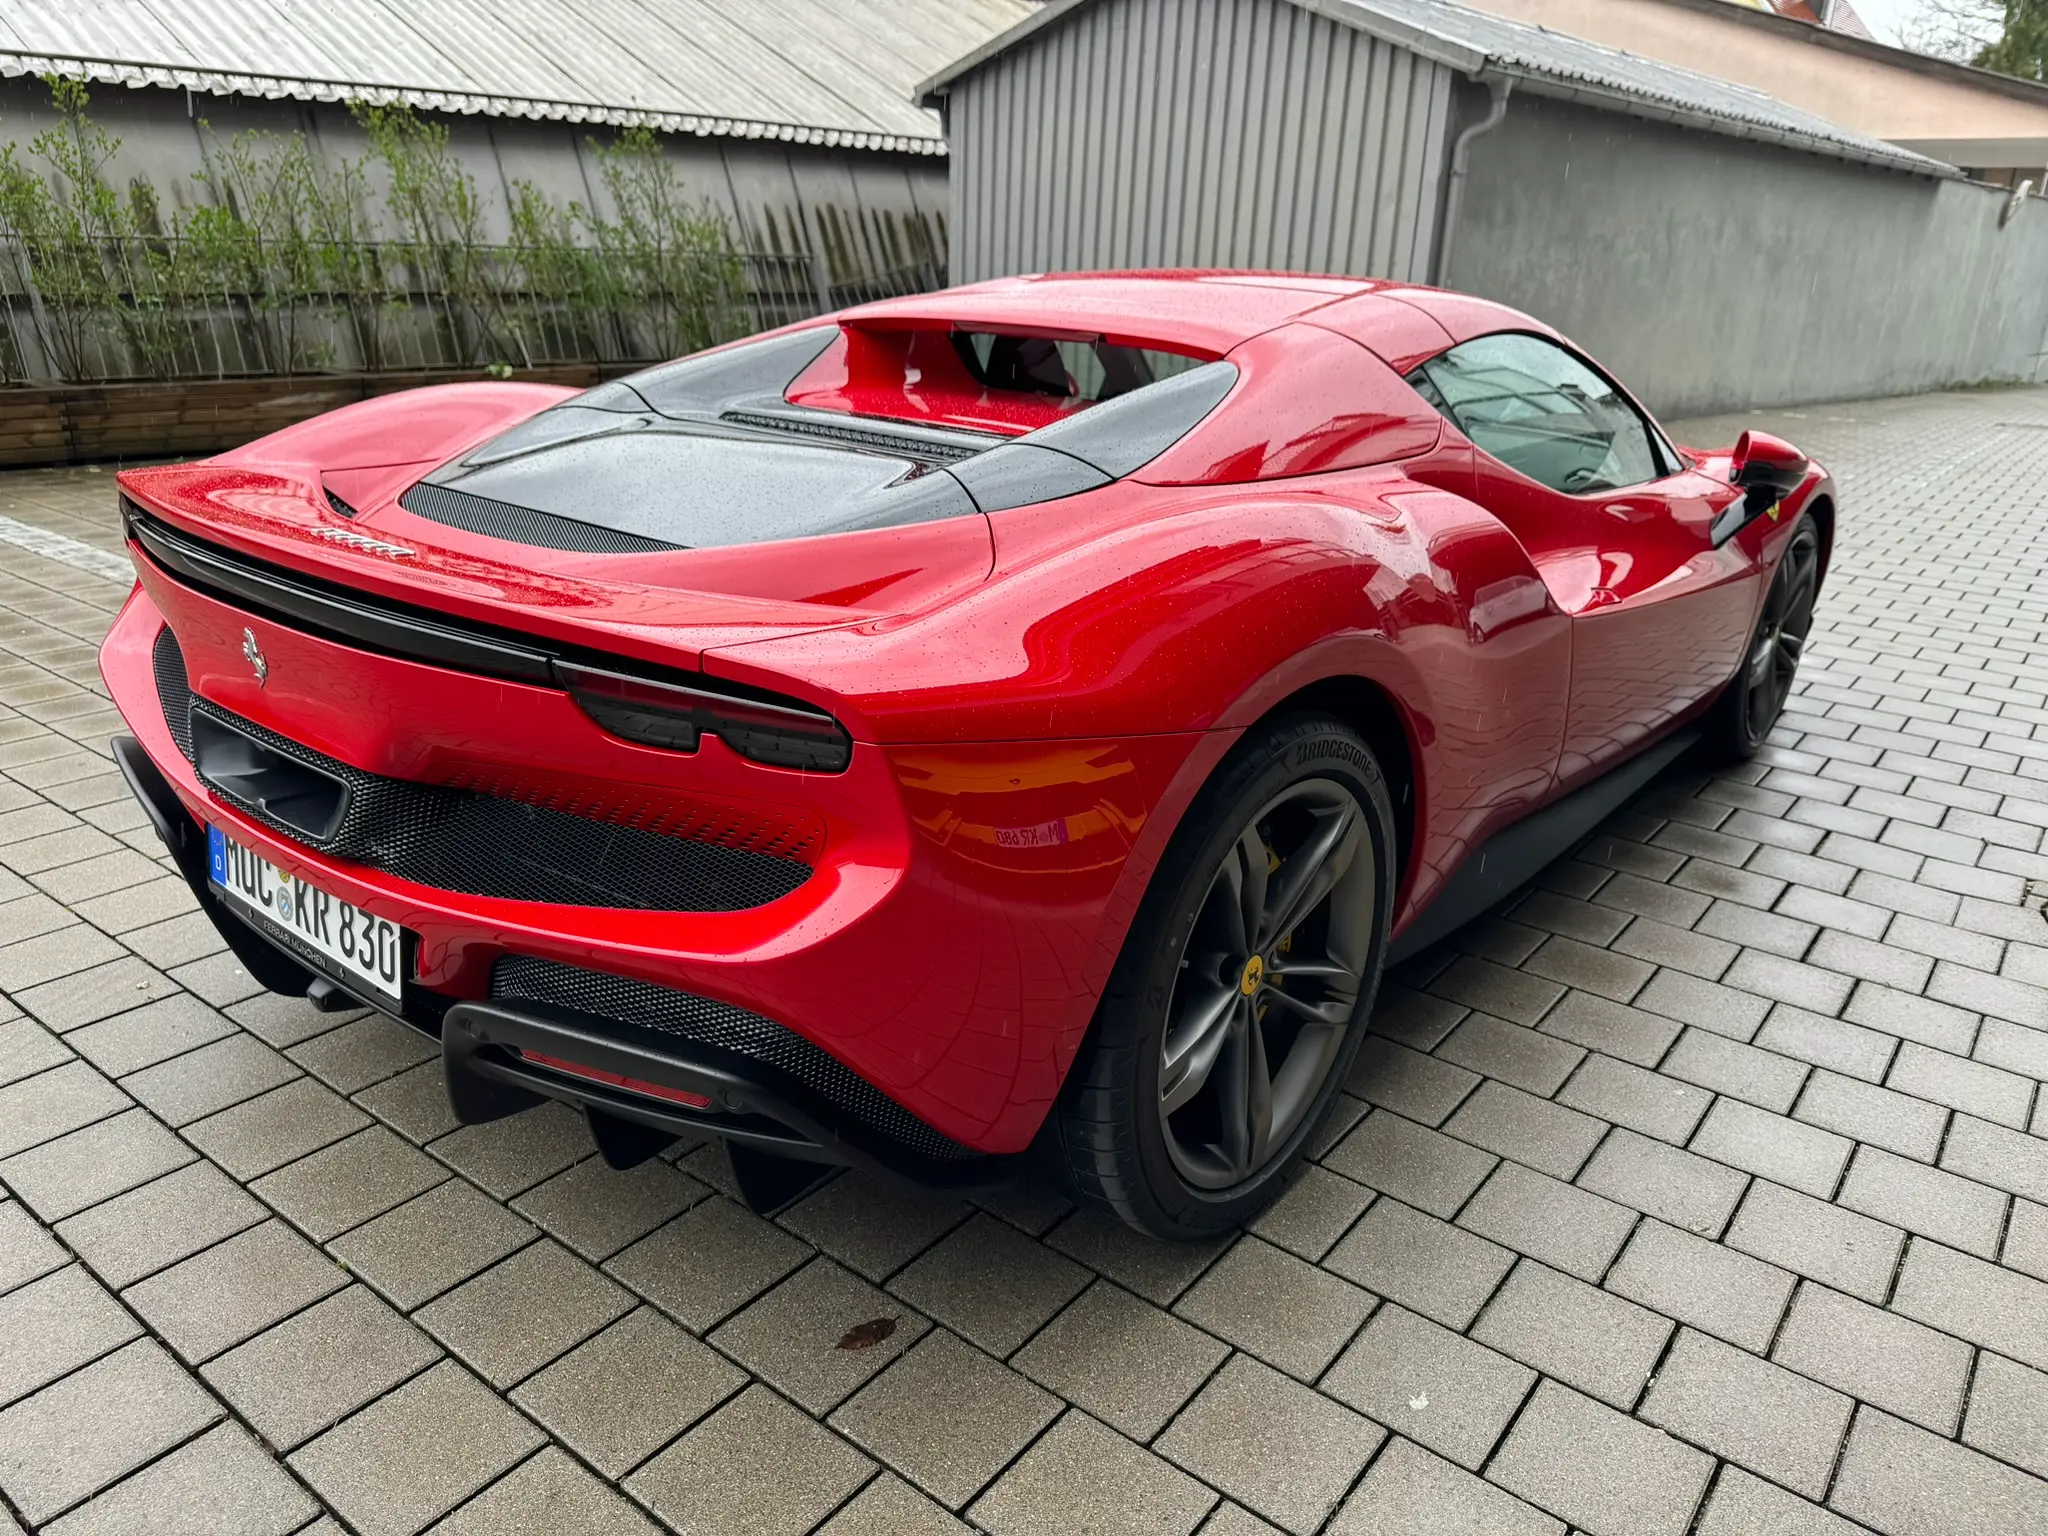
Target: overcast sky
point(1884, 17)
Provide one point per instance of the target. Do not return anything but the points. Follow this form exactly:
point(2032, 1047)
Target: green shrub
point(293, 260)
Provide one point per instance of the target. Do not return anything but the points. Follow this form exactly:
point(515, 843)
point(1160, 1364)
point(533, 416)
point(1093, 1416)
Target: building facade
point(1991, 125)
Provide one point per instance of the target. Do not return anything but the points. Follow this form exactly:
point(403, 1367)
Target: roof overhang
point(1893, 157)
point(1478, 62)
point(2028, 154)
point(230, 82)
point(930, 91)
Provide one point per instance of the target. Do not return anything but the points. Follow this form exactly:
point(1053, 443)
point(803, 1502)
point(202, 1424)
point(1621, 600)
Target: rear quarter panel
point(1133, 613)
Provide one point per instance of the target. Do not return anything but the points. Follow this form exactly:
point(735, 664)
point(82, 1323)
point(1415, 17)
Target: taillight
point(674, 715)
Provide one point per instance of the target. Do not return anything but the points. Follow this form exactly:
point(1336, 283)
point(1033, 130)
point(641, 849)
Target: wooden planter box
point(77, 423)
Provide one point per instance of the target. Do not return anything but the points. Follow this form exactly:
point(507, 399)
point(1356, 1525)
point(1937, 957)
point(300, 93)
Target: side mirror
point(1768, 469)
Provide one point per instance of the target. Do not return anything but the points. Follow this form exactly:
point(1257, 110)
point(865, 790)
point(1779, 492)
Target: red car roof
point(1210, 311)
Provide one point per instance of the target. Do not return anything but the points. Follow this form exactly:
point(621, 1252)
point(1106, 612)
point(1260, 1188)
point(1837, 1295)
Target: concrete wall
point(870, 212)
point(1713, 274)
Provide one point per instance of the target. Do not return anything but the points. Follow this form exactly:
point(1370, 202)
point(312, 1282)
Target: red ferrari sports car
point(1023, 718)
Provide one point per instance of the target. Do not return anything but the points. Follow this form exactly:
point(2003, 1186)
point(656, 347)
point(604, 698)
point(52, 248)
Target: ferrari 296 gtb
point(1022, 719)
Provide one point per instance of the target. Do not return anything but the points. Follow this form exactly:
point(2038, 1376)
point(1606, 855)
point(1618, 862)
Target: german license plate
point(367, 949)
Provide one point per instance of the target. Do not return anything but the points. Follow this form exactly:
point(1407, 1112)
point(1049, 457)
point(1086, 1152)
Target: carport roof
point(834, 72)
point(1550, 64)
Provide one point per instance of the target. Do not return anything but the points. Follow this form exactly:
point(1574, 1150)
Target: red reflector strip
point(619, 1080)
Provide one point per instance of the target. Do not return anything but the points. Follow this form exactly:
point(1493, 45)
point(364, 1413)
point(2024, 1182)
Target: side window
point(1541, 411)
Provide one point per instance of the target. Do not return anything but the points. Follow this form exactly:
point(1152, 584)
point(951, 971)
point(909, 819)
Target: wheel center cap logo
point(1254, 973)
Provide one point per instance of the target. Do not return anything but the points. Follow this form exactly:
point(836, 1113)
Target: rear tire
point(1750, 705)
point(1243, 988)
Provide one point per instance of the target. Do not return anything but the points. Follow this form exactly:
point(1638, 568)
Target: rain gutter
point(1498, 88)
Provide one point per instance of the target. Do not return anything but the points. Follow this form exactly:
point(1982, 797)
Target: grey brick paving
point(1426, 1382)
point(628, 1391)
point(1124, 1360)
point(309, 1371)
point(1702, 1187)
point(1285, 1452)
point(1743, 1505)
point(757, 1465)
point(405, 1458)
point(1409, 1492)
point(1907, 1481)
point(1759, 1416)
point(2009, 1414)
point(1081, 1475)
point(1712, 1287)
point(1602, 1470)
point(1273, 1305)
point(1876, 1356)
point(1974, 1300)
point(223, 1481)
point(1837, 1247)
point(789, 1338)
point(1567, 1329)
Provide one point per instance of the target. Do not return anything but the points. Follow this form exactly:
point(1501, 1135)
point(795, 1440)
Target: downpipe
point(1498, 88)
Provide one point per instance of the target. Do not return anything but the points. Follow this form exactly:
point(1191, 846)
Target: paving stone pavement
point(1701, 1188)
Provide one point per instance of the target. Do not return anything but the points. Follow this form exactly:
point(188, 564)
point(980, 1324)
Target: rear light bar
point(619, 1080)
point(676, 716)
point(782, 733)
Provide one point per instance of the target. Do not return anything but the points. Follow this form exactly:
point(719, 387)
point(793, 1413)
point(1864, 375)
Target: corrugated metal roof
point(1558, 64)
point(1553, 64)
point(836, 72)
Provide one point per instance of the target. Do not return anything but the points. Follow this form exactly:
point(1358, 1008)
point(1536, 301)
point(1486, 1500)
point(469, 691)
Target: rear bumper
point(500, 1058)
point(270, 964)
point(948, 953)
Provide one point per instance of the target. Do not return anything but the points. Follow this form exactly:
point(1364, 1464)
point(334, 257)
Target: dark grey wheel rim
point(1268, 983)
point(1781, 634)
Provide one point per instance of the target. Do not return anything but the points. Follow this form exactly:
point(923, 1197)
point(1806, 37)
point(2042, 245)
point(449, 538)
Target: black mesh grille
point(173, 689)
point(487, 845)
point(832, 431)
point(521, 525)
point(521, 978)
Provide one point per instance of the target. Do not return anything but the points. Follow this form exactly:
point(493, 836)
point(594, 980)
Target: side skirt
point(1513, 856)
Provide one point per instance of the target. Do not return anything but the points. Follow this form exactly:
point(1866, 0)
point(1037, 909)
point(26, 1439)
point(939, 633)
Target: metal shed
point(1316, 135)
point(1627, 201)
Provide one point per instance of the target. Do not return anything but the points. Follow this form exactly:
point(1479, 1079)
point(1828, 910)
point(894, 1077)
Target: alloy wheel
point(1781, 633)
point(1268, 983)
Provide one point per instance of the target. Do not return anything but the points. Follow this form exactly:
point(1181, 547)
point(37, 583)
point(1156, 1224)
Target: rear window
point(974, 380)
point(1081, 372)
